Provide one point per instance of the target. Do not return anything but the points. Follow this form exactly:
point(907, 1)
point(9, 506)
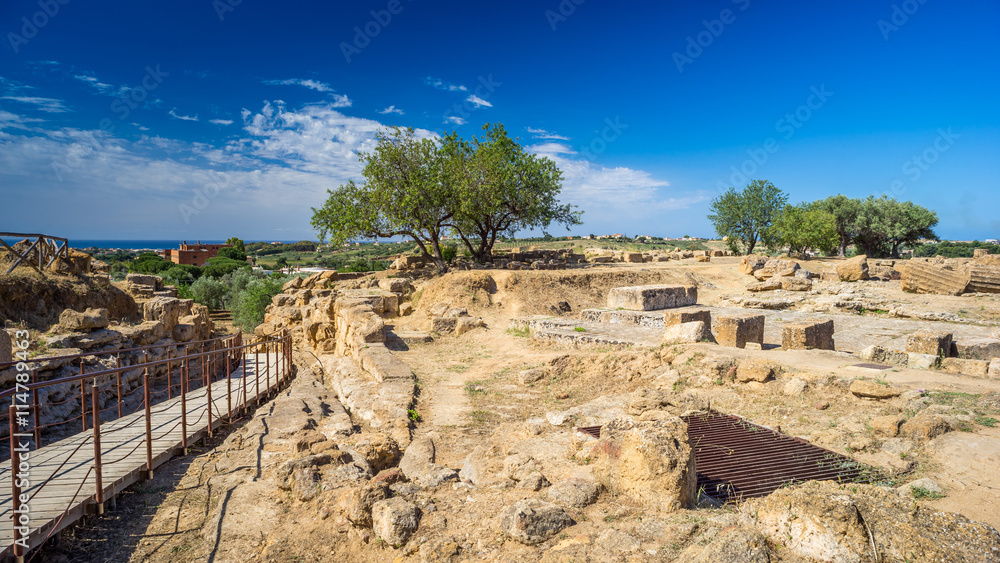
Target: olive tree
point(747, 216)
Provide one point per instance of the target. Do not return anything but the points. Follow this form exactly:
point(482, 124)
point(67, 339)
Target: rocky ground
point(492, 468)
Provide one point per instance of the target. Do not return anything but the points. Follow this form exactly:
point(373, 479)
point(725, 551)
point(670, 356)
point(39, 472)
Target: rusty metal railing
point(45, 246)
point(221, 358)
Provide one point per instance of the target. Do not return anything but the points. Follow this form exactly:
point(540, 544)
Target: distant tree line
point(427, 189)
point(954, 249)
point(878, 227)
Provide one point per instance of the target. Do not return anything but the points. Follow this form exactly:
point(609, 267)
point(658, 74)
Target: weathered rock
point(687, 333)
point(871, 390)
point(794, 387)
point(994, 370)
point(632, 257)
point(91, 319)
point(922, 361)
point(380, 451)
point(887, 425)
point(824, 521)
point(737, 330)
point(616, 542)
point(530, 375)
point(167, 310)
point(976, 348)
point(444, 325)
point(419, 455)
point(183, 332)
point(6, 349)
point(808, 335)
point(796, 284)
point(855, 269)
point(925, 426)
point(650, 461)
point(574, 493)
point(394, 520)
point(652, 297)
point(770, 284)
point(679, 316)
point(756, 370)
point(975, 368)
point(519, 466)
point(742, 544)
point(880, 355)
point(923, 277)
point(533, 521)
point(751, 263)
point(533, 482)
point(438, 551)
point(356, 503)
point(465, 324)
point(291, 284)
point(929, 342)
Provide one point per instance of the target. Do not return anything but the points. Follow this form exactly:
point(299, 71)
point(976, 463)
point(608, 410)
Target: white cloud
point(221, 121)
point(479, 102)
point(442, 85)
point(308, 83)
point(48, 105)
point(543, 134)
point(174, 115)
point(341, 101)
point(391, 109)
point(93, 82)
point(455, 119)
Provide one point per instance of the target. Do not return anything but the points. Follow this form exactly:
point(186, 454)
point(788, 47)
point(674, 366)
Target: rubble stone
point(924, 425)
point(687, 333)
point(755, 370)
point(871, 390)
point(881, 355)
point(808, 335)
point(91, 319)
point(975, 368)
point(394, 520)
point(737, 330)
point(922, 361)
point(533, 521)
point(887, 425)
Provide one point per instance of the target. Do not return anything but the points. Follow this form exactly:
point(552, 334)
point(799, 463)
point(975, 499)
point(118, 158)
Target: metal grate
point(737, 459)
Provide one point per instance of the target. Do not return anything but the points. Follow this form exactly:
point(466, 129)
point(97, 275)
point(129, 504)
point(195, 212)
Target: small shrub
point(986, 421)
point(925, 493)
point(413, 415)
point(580, 329)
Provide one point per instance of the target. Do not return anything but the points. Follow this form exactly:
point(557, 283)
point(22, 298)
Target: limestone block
point(769, 284)
point(977, 348)
point(929, 342)
point(633, 257)
point(737, 330)
point(855, 269)
point(652, 297)
point(922, 361)
point(687, 333)
point(975, 368)
point(751, 263)
point(91, 319)
point(808, 335)
point(687, 316)
point(994, 369)
point(650, 461)
point(704, 259)
point(984, 278)
point(755, 370)
point(880, 355)
point(796, 284)
point(444, 325)
point(923, 277)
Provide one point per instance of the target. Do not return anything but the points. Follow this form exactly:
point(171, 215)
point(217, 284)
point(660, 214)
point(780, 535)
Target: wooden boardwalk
point(62, 475)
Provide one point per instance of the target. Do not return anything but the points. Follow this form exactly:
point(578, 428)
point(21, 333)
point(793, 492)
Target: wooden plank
point(62, 469)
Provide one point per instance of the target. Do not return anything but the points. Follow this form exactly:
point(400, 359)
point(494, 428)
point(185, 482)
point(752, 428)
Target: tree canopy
point(747, 216)
point(806, 226)
point(426, 189)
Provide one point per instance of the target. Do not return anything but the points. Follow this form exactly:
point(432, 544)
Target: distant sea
point(137, 244)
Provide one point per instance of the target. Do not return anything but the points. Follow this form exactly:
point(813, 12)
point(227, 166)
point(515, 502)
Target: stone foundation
point(928, 342)
point(652, 297)
point(671, 318)
point(737, 330)
point(808, 335)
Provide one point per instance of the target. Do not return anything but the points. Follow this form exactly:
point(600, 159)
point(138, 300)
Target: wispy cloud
point(455, 119)
point(442, 85)
point(543, 134)
point(341, 101)
point(478, 102)
point(306, 82)
point(98, 86)
point(221, 121)
point(141, 126)
point(48, 105)
point(174, 115)
point(391, 109)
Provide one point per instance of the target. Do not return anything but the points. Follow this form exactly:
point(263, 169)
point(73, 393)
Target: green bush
point(248, 306)
point(233, 254)
point(210, 292)
point(218, 267)
point(448, 252)
point(149, 263)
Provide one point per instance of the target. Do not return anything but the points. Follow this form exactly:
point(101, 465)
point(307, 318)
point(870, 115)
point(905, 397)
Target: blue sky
point(207, 119)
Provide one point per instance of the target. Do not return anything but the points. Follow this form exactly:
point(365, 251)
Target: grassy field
point(386, 252)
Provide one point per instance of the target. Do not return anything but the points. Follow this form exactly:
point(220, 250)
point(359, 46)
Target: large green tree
point(806, 226)
point(881, 225)
point(406, 193)
point(503, 189)
point(746, 216)
point(845, 211)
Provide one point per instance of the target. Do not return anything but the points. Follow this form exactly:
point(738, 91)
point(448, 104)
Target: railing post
point(169, 382)
point(243, 361)
point(34, 411)
point(95, 406)
point(83, 399)
point(267, 367)
point(208, 394)
point(256, 374)
point(118, 381)
point(229, 388)
point(15, 463)
point(184, 414)
point(203, 372)
point(149, 424)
